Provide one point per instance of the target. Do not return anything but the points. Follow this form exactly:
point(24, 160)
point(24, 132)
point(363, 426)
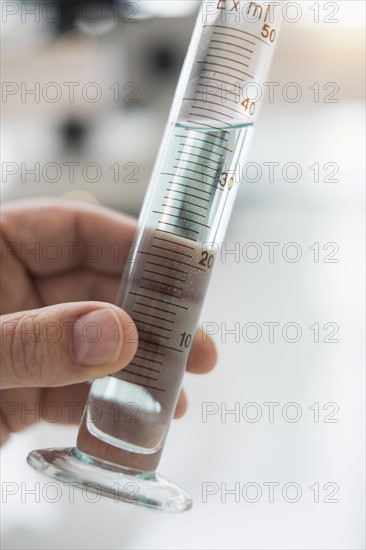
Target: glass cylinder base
point(147, 489)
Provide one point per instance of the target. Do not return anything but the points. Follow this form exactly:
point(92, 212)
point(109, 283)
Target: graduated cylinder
point(186, 211)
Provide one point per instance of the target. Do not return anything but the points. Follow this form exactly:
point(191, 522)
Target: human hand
point(52, 286)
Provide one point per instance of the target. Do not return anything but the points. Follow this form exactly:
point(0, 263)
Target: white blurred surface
point(304, 372)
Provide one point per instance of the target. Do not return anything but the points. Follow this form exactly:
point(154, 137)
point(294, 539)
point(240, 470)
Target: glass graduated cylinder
point(186, 209)
point(127, 416)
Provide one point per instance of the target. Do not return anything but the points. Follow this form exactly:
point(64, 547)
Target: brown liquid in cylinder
point(164, 297)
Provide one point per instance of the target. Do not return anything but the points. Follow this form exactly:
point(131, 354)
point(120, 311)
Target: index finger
point(51, 236)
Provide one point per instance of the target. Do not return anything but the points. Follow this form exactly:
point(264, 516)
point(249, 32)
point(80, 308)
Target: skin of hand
point(61, 265)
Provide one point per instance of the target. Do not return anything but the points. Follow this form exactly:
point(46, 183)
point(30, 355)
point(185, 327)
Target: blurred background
point(91, 129)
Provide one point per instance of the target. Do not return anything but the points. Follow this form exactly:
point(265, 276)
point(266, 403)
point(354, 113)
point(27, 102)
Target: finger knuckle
point(28, 353)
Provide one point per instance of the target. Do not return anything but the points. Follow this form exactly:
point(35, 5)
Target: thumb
point(65, 344)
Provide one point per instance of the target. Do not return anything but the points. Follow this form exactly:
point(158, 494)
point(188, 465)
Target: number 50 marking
point(269, 33)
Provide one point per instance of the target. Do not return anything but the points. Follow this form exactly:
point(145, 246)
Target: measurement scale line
point(152, 324)
point(225, 43)
point(164, 258)
point(150, 315)
point(205, 133)
point(211, 110)
point(150, 350)
point(170, 268)
point(205, 92)
point(169, 347)
point(169, 249)
point(193, 179)
point(160, 283)
point(227, 92)
point(215, 79)
point(197, 146)
point(206, 116)
point(154, 307)
point(158, 300)
point(196, 172)
point(176, 261)
point(201, 182)
point(184, 210)
point(199, 156)
point(180, 227)
point(202, 116)
point(212, 103)
point(162, 275)
point(231, 36)
point(144, 367)
point(170, 233)
point(155, 344)
point(235, 82)
point(204, 141)
point(141, 330)
point(185, 202)
point(229, 60)
point(204, 124)
point(165, 294)
point(186, 195)
point(242, 32)
point(174, 243)
point(182, 218)
point(141, 375)
point(212, 64)
point(150, 360)
point(229, 51)
point(209, 193)
point(218, 105)
point(196, 164)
